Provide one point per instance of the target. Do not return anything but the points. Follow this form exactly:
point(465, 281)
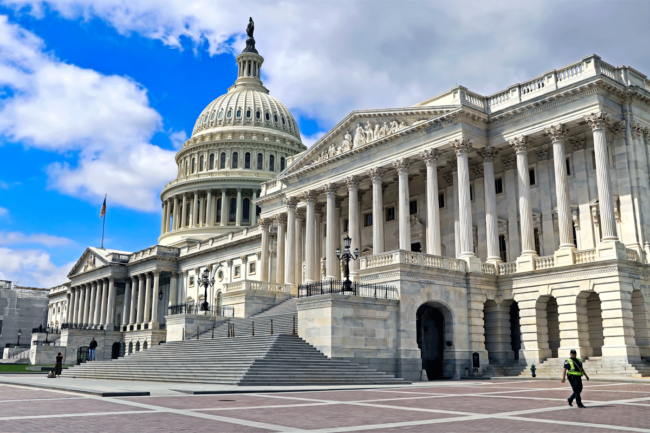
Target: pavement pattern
point(465, 406)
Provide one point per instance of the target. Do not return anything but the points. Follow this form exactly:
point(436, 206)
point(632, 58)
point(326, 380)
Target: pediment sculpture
point(90, 263)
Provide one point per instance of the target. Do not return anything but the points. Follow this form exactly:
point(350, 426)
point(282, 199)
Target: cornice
point(230, 144)
point(212, 249)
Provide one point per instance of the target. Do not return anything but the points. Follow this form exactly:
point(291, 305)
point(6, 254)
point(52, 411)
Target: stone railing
point(411, 258)
point(507, 268)
point(258, 286)
point(585, 256)
point(546, 262)
point(488, 268)
point(156, 250)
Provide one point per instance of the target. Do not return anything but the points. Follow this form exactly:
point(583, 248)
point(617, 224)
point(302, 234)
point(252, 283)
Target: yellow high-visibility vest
point(573, 370)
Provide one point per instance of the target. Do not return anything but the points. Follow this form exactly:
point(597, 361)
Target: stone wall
point(22, 309)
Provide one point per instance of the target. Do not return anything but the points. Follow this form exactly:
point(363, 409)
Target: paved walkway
point(521, 406)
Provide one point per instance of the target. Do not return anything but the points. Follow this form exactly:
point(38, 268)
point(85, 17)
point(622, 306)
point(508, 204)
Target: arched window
point(201, 163)
point(233, 210)
point(248, 113)
point(260, 161)
point(272, 163)
point(258, 115)
point(218, 210)
point(212, 117)
point(267, 116)
point(235, 160)
point(229, 115)
point(222, 163)
point(239, 113)
point(246, 210)
point(283, 122)
point(193, 165)
point(219, 303)
point(188, 215)
point(275, 117)
point(212, 161)
point(282, 163)
point(220, 114)
point(187, 168)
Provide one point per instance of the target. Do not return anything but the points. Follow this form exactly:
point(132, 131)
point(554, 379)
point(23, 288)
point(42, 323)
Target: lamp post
point(345, 258)
point(19, 334)
point(206, 282)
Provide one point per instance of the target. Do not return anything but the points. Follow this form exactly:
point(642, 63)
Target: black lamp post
point(19, 334)
point(206, 282)
point(345, 258)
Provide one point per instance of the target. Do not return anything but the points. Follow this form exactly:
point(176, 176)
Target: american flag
point(102, 212)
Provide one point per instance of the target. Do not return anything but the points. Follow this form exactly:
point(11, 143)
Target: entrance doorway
point(430, 325)
point(416, 247)
point(115, 350)
point(82, 354)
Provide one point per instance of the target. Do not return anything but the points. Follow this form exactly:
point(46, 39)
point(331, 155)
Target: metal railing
point(193, 308)
point(363, 290)
point(18, 346)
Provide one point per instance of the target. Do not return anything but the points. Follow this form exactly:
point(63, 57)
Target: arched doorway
point(595, 323)
point(515, 329)
point(548, 326)
point(219, 304)
point(430, 325)
point(115, 350)
point(144, 346)
point(130, 347)
point(501, 330)
point(640, 317)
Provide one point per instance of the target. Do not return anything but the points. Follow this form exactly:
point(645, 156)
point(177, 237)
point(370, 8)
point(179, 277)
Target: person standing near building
point(573, 368)
point(91, 350)
point(58, 367)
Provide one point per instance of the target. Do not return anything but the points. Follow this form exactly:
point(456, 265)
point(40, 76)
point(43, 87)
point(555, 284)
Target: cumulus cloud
point(13, 238)
point(178, 138)
point(105, 120)
point(31, 267)
point(309, 140)
point(3, 211)
point(324, 59)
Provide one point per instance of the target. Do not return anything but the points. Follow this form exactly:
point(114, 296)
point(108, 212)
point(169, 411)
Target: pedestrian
point(58, 366)
point(573, 368)
point(91, 351)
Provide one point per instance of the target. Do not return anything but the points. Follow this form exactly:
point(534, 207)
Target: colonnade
point(92, 304)
point(289, 263)
point(208, 208)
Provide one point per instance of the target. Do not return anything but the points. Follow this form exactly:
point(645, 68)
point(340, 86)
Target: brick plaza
point(465, 406)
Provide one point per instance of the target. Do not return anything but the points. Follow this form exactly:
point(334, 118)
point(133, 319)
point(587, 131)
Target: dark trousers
point(576, 386)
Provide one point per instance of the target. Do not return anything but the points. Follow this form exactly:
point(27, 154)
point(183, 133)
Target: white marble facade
point(532, 200)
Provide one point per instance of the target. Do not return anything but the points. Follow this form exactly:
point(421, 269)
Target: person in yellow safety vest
point(573, 368)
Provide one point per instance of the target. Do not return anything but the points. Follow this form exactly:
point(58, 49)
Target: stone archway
point(434, 330)
point(641, 328)
point(548, 325)
point(595, 324)
point(502, 330)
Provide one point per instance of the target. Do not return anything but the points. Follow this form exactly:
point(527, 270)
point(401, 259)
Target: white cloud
point(3, 211)
point(12, 238)
point(31, 267)
point(105, 120)
point(178, 138)
point(309, 140)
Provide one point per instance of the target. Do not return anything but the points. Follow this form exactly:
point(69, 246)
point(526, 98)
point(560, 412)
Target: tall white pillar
point(318, 239)
point(558, 134)
point(105, 302)
point(208, 210)
point(195, 210)
point(239, 208)
point(141, 295)
point(147, 299)
point(353, 221)
point(280, 245)
point(310, 198)
point(110, 304)
point(176, 214)
point(402, 167)
point(377, 211)
point(462, 148)
point(253, 209)
point(265, 224)
point(87, 319)
point(127, 302)
point(173, 289)
point(598, 121)
point(134, 291)
point(491, 218)
point(79, 305)
point(154, 303)
point(93, 315)
point(184, 211)
point(71, 305)
point(520, 144)
point(300, 217)
point(431, 157)
point(163, 217)
point(290, 249)
point(331, 238)
point(338, 205)
point(224, 208)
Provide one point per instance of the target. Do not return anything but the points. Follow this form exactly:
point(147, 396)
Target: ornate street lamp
point(206, 282)
point(345, 258)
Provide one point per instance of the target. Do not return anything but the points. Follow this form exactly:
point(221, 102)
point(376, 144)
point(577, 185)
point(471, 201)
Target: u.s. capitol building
point(492, 230)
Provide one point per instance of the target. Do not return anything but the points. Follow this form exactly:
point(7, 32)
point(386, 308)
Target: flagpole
point(103, 224)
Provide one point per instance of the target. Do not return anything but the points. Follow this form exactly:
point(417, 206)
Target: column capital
point(449, 178)
point(352, 182)
point(579, 142)
point(174, 274)
point(430, 156)
point(244, 259)
point(617, 129)
point(597, 120)
point(156, 272)
point(338, 201)
point(281, 219)
point(401, 165)
point(265, 223)
point(557, 132)
point(509, 162)
point(375, 174)
point(300, 213)
point(318, 209)
point(462, 146)
point(488, 153)
point(520, 144)
point(258, 255)
point(329, 189)
point(453, 163)
point(477, 170)
point(542, 151)
point(291, 202)
point(309, 196)
point(239, 190)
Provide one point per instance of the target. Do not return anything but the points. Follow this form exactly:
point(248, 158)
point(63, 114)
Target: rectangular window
point(251, 268)
point(503, 248)
point(346, 224)
point(531, 176)
point(441, 200)
point(237, 271)
point(413, 207)
point(367, 220)
point(390, 214)
point(498, 185)
point(568, 166)
point(538, 248)
point(191, 281)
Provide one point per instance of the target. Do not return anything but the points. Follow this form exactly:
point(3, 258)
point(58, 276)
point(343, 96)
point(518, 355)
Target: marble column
point(330, 236)
point(154, 303)
point(93, 318)
point(558, 133)
point(70, 312)
point(141, 296)
point(175, 217)
point(132, 304)
point(598, 122)
point(173, 288)
point(87, 319)
point(253, 209)
point(353, 222)
point(105, 302)
point(195, 211)
point(208, 210)
point(168, 219)
point(491, 217)
point(520, 144)
point(101, 289)
point(224, 207)
point(109, 312)
point(265, 224)
point(184, 211)
point(163, 217)
point(238, 212)
point(127, 303)
point(147, 299)
point(310, 198)
point(377, 210)
point(404, 216)
point(290, 250)
point(300, 217)
point(462, 148)
point(78, 314)
point(338, 204)
point(431, 157)
point(318, 238)
point(282, 227)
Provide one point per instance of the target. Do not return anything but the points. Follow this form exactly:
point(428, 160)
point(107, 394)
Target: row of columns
point(203, 210)
point(92, 304)
point(141, 299)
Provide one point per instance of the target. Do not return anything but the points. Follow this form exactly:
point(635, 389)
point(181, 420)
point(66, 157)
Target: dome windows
point(229, 115)
point(282, 163)
point(201, 161)
point(260, 161)
point(275, 118)
point(283, 122)
point(239, 113)
point(247, 160)
point(222, 162)
point(193, 165)
point(212, 117)
point(248, 114)
point(235, 160)
point(258, 115)
point(272, 163)
point(268, 116)
point(220, 114)
point(212, 161)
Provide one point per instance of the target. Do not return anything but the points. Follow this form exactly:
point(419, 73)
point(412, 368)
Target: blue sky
point(96, 95)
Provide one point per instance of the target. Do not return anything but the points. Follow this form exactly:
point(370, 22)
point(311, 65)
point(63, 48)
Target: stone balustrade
point(411, 258)
point(259, 286)
point(546, 262)
point(507, 268)
point(488, 268)
point(586, 256)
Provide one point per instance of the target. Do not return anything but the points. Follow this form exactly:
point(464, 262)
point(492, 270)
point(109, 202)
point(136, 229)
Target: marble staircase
point(595, 367)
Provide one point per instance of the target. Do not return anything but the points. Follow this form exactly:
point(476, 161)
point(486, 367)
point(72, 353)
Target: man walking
point(573, 368)
point(91, 351)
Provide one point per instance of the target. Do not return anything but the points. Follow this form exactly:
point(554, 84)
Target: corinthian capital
point(401, 165)
point(281, 219)
point(520, 144)
point(309, 196)
point(557, 132)
point(375, 174)
point(462, 146)
point(291, 202)
point(597, 120)
point(488, 154)
point(430, 156)
point(265, 223)
point(329, 188)
point(352, 182)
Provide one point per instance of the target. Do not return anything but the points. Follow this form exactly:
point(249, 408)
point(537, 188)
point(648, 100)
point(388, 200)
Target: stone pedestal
point(526, 263)
point(564, 257)
point(611, 250)
point(473, 264)
point(180, 325)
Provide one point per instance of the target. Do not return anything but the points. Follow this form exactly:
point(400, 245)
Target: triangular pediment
point(88, 261)
point(362, 130)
